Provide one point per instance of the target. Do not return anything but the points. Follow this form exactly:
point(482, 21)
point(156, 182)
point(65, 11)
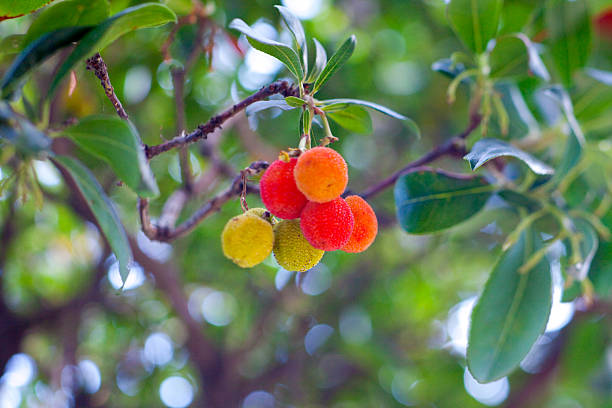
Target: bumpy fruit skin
point(365, 228)
point(279, 193)
point(327, 226)
point(321, 174)
point(247, 239)
point(291, 249)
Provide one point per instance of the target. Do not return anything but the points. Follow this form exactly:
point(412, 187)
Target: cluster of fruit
point(305, 193)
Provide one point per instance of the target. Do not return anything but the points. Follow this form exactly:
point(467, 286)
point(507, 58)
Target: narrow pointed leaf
point(336, 61)
point(353, 118)
point(589, 242)
point(117, 142)
point(569, 35)
point(605, 77)
point(133, 18)
point(295, 101)
point(18, 8)
point(280, 51)
point(432, 200)
point(67, 13)
point(102, 209)
point(339, 104)
point(488, 149)
point(474, 21)
point(36, 53)
point(320, 61)
point(297, 30)
point(511, 313)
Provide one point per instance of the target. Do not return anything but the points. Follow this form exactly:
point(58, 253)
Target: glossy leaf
point(339, 104)
point(516, 55)
point(37, 52)
point(449, 68)
point(133, 18)
point(320, 61)
point(488, 149)
point(297, 31)
point(259, 106)
point(474, 21)
point(429, 201)
point(511, 313)
point(117, 142)
point(67, 13)
point(280, 51)
point(295, 102)
point(335, 62)
point(519, 199)
point(11, 44)
point(353, 118)
point(569, 35)
point(26, 137)
point(17, 8)
point(589, 242)
point(102, 209)
point(605, 77)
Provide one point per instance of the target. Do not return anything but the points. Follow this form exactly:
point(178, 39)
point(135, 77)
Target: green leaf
point(474, 21)
point(519, 199)
point(569, 35)
point(336, 61)
point(11, 44)
point(68, 13)
point(488, 149)
point(575, 140)
point(17, 8)
point(37, 52)
point(26, 137)
point(131, 19)
point(605, 77)
point(589, 242)
point(353, 118)
point(515, 55)
point(449, 68)
point(511, 313)
point(102, 209)
point(117, 142)
point(332, 105)
point(297, 31)
point(295, 102)
point(280, 51)
point(432, 200)
point(320, 61)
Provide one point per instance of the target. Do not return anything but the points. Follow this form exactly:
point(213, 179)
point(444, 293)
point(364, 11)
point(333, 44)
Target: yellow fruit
point(291, 249)
point(247, 239)
point(261, 213)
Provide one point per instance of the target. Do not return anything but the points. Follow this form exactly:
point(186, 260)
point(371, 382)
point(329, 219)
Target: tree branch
point(279, 87)
point(454, 146)
point(165, 233)
point(97, 65)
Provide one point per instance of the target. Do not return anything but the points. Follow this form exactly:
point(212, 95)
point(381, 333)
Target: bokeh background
point(385, 328)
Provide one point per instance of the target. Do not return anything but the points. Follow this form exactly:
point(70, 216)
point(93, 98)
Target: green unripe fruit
point(291, 249)
point(247, 239)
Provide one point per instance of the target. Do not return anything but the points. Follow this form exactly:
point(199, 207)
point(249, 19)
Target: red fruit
point(603, 23)
point(327, 226)
point(279, 193)
point(321, 174)
point(366, 225)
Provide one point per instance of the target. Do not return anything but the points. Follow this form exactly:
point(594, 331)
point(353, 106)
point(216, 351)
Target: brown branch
point(454, 146)
point(279, 87)
point(164, 233)
point(97, 65)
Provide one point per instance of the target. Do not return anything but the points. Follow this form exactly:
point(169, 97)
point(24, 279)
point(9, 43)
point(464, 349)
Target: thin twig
point(97, 65)
point(165, 233)
point(280, 87)
point(453, 146)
